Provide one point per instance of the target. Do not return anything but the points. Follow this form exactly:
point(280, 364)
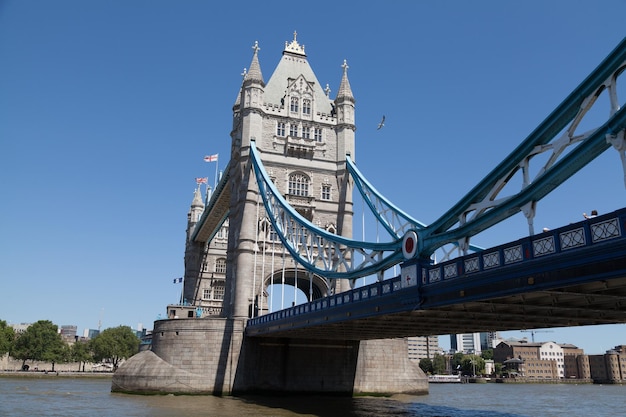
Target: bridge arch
point(313, 286)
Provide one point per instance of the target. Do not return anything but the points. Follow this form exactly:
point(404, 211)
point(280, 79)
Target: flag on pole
point(211, 158)
point(202, 180)
point(178, 280)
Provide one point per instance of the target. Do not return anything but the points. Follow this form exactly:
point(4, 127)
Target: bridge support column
point(302, 366)
point(212, 356)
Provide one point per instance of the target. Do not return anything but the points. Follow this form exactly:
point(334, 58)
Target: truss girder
point(394, 220)
point(483, 206)
point(318, 250)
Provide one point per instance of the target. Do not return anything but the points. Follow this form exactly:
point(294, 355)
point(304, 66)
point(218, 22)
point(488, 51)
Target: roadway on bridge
point(575, 287)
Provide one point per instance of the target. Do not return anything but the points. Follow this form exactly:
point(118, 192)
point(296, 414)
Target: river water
point(77, 397)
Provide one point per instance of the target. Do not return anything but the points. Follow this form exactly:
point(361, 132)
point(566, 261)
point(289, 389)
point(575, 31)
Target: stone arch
point(320, 285)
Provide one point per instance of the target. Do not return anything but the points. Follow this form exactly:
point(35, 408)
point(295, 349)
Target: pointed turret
point(345, 92)
point(254, 74)
point(344, 105)
point(197, 207)
point(251, 103)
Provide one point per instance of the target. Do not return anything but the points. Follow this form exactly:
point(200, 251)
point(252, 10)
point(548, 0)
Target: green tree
point(58, 354)
point(427, 365)
point(7, 337)
point(473, 365)
point(115, 344)
point(457, 361)
point(81, 353)
point(487, 354)
point(498, 369)
point(439, 364)
point(40, 342)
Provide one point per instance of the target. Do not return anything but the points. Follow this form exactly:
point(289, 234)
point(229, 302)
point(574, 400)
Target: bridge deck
point(572, 276)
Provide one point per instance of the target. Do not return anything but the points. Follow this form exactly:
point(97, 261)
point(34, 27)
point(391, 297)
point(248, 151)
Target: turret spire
point(345, 92)
point(254, 73)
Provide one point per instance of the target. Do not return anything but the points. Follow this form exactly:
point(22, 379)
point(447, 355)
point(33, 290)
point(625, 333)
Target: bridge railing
point(576, 235)
point(378, 289)
point(573, 236)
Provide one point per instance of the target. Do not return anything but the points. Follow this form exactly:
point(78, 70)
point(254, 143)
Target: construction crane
point(532, 333)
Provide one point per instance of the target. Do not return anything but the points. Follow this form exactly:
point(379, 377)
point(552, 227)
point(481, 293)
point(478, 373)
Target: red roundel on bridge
point(409, 244)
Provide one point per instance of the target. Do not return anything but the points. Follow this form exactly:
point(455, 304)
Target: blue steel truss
point(394, 220)
point(483, 206)
point(318, 250)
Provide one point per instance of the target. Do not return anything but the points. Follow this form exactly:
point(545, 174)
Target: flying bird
point(381, 124)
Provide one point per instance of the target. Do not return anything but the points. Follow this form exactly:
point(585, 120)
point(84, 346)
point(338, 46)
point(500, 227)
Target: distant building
point(465, 343)
point(421, 347)
point(542, 360)
point(68, 332)
point(610, 367)
point(575, 362)
point(91, 333)
point(20, 328)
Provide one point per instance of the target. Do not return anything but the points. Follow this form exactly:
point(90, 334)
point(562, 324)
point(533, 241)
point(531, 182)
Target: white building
point(554, 352)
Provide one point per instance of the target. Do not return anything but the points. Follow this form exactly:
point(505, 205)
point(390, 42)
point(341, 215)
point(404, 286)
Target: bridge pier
point(212, 356)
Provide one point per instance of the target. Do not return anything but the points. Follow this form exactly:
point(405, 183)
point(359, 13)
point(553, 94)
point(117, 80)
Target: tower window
point(306, 132)
point(294, 104)
point(293, 130)
point(318, 134)
point(280, 129)
point(220, 266)
point(206, 294)
point(218, 291)
point(299, 185)
point(325, 192)
point(306, 106)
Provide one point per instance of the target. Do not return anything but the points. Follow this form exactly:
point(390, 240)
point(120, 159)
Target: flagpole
point(217, 162)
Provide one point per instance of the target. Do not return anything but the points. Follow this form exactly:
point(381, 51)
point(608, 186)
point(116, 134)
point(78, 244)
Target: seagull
point(381, 124)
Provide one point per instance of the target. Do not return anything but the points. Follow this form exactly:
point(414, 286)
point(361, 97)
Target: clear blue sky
point(107, 108)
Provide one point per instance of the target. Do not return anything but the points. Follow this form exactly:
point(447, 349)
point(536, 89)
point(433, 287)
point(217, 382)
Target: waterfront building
point(575, 362)
point(609, 367)
point(542, 360)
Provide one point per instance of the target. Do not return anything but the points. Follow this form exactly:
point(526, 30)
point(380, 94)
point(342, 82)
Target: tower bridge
point(283, 213)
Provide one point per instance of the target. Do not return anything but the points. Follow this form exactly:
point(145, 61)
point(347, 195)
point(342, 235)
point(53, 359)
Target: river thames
point(77, 397)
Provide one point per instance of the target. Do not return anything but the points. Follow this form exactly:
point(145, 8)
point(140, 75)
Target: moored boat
point(444, 378)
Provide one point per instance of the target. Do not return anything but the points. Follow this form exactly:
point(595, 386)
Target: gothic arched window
point(220, 265)
point(294, 104)
point(306, 106)
point(299, 184)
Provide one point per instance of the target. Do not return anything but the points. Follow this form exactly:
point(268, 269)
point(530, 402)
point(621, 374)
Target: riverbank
point(50, 374)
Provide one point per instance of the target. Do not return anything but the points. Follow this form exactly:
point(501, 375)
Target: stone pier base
point(211, 356)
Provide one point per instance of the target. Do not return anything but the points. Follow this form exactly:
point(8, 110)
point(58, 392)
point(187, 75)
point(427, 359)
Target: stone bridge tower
point(303, 137)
